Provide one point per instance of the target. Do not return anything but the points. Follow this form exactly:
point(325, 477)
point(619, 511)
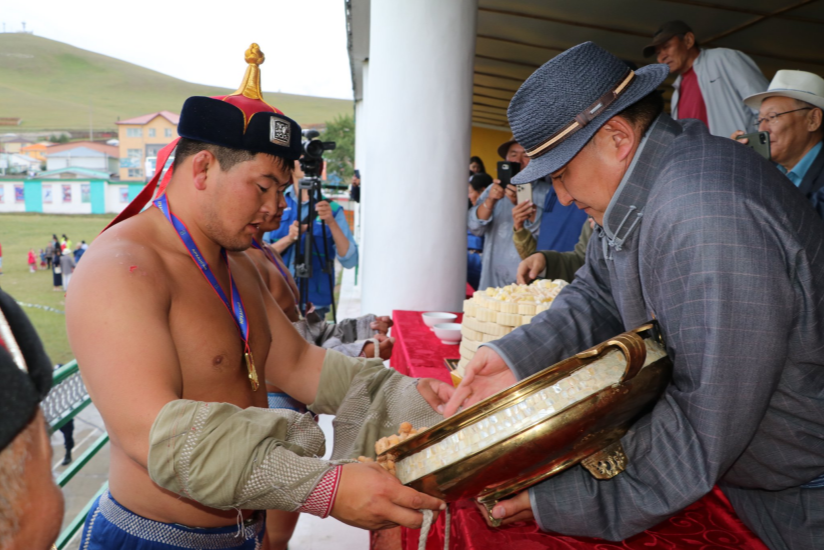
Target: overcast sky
point(305, 41)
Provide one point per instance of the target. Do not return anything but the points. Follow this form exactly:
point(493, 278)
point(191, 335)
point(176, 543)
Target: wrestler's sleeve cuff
point(322, 498)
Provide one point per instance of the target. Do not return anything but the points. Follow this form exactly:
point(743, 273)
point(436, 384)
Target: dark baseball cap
point(665, 33)
point(505, 147)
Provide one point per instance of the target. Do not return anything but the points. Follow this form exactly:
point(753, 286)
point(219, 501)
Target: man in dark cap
point(708, 238)
point(710, 83)
point(176, 340)
point(31, 504)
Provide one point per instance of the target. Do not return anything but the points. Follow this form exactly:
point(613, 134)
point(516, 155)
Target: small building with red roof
point(141, 138)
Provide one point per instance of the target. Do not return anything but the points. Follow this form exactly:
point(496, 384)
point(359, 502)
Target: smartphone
point(506, 171)
point(524, 192)
point(759, 142)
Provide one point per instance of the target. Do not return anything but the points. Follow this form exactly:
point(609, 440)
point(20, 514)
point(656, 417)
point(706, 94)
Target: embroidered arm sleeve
point(226, 457)
point(370, 401)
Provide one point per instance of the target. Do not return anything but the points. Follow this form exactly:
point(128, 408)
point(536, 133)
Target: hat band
point(583, 119)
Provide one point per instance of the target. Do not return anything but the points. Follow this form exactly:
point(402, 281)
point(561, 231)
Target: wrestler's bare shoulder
point(134, 251)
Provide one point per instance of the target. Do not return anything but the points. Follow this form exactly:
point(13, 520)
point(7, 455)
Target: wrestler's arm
point(117, 323)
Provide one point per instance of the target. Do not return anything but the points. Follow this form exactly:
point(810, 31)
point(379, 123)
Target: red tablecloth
point(708, 523)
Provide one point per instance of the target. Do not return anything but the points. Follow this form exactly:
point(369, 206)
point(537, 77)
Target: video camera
point(311, 160)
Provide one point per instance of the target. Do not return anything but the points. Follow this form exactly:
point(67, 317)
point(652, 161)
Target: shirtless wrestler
point(193, 447)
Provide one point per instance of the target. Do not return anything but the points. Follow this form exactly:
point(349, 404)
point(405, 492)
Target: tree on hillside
point(340, 161)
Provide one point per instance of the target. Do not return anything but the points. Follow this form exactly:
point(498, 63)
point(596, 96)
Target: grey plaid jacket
point(721, 248)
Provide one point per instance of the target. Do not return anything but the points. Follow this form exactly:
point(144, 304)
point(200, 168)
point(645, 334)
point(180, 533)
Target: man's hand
point(736, 134)
point(435, 392)
point(511, 510)
point(324, 211)
point(530, 268)
point(384, 347)
point(293, 230)
point(485, 375)
point(523, 212)
point(371, 498)
point(382, 325)
point(496, 191)
point(511, 193)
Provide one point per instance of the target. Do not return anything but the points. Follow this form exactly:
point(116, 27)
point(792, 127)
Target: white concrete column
point(414, 200)
point(361, 146)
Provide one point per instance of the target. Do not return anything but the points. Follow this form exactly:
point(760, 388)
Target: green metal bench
point(67, 398)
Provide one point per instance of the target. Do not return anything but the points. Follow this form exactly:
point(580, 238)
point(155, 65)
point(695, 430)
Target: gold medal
point(253, 374)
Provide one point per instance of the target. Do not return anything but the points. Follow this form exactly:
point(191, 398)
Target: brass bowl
point(586, 431)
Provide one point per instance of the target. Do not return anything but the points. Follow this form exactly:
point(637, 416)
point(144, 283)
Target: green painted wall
point(97, 190)
point(135, 189)
point(33, 194)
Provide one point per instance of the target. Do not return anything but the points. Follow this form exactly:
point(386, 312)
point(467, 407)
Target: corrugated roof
point(110, 150)
point(145, 119)
point(86, 172)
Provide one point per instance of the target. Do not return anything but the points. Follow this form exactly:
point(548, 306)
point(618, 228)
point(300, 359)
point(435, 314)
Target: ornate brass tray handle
point(574, 411)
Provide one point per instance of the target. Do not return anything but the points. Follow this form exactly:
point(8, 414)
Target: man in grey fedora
point(706, 237)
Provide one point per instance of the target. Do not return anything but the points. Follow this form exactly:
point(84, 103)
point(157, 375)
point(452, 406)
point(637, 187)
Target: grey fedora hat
point(559, 108)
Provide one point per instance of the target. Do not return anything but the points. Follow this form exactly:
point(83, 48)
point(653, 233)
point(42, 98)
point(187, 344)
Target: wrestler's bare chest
point(208, 342)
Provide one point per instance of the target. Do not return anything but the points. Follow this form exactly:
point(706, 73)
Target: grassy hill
point(50, 84)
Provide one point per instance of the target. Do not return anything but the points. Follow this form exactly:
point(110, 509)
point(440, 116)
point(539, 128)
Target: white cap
point(800, 85)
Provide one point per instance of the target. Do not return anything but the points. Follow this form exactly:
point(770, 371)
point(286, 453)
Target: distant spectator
point(32, 261)
point(492, 218)
point(42, 259)
point(551, 264)
point(478, 183)
point(83, 245)
point(49, 253)
point(57, 273)
point(67, 266)
point(475, 245)
point(476, 166)
point(791, 112)
point(355, 189)
point(710, 83)
point(78, 252)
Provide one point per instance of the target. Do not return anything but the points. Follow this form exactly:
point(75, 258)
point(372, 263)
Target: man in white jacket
point(711, 84)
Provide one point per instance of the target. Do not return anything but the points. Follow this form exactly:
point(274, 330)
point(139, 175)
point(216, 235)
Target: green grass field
point(19, 233)
point(51, 86)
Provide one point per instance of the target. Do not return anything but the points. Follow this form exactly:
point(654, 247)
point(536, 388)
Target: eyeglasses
point(771, 118)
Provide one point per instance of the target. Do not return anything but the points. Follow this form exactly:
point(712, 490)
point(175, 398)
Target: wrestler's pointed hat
point(241, 120)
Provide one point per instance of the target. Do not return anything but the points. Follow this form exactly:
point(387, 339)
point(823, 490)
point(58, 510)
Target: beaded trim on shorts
point(175, 535)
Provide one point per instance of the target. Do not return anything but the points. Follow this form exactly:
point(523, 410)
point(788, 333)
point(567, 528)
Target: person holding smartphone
point(791, 114)
point(492, 218)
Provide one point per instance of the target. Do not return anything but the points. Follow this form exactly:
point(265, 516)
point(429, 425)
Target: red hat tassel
point(145, 195)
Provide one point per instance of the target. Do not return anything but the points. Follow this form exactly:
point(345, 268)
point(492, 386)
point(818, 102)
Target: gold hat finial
point(251, 85)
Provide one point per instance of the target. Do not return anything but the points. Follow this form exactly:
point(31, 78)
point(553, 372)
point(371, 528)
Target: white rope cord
point(428, 523)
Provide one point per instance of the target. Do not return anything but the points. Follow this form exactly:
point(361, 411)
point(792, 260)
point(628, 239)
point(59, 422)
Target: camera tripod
point(303, 258)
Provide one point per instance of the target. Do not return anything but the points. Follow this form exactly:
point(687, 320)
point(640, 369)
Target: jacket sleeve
point(524, 242)
point(582, 315)
point(477, 226)
point(745, 75)
point(563, 265)
point(726, 306)
point(350, 259)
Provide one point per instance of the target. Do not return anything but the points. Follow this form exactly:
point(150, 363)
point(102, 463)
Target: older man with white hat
point(791, 112)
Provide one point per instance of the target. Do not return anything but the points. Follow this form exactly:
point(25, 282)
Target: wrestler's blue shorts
point(285, 401)
point(109, 525)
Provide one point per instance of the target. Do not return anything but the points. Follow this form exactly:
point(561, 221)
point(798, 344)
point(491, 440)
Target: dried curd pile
point(495, 312)
point(405, 431)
